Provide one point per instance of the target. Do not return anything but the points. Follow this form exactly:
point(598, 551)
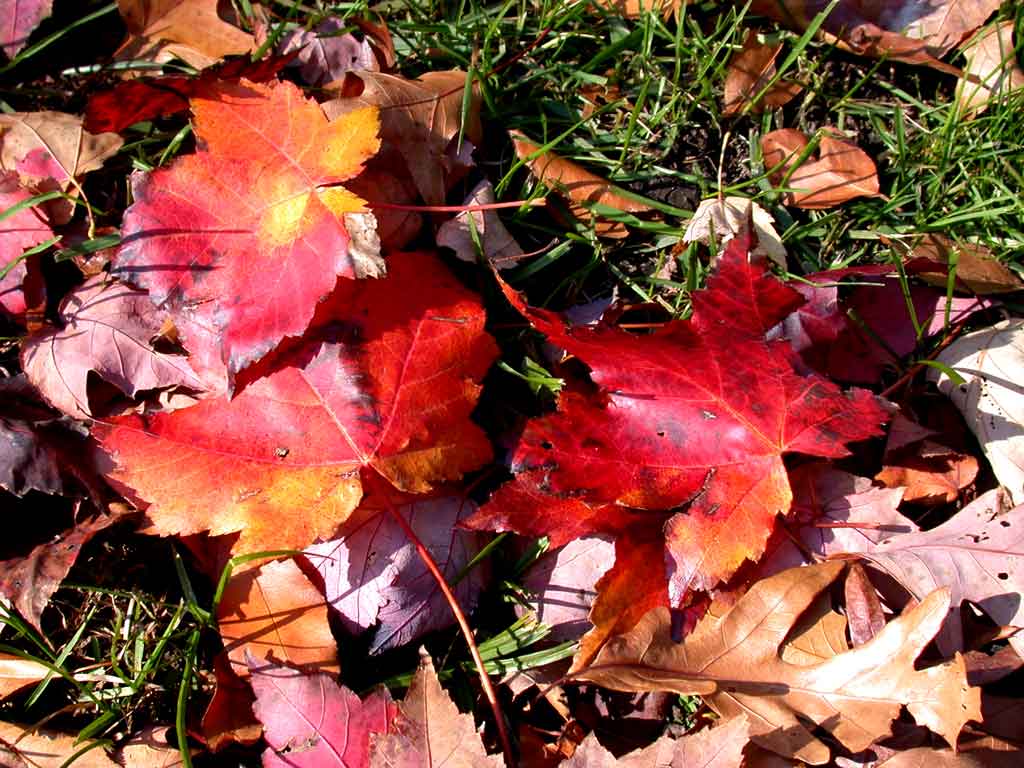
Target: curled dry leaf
point(718, 747)
point(931, 473)
point(992, 71)
point(429, 732)
point(978, 553)
point(977, 269)
point(373, 575)
point(750, 71)
point(721, 220)
point(107, 331)
point(578, 186)
point(18, 19)
point(421, 119)
point(841, 172)
point(191, 30)
point(733, 661)
point(497, 245)
point(863, 608)
point(310, 721)
point(273, 613)
point(991, 362)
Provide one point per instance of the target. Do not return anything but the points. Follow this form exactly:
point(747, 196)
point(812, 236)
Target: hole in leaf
point(1003, 576)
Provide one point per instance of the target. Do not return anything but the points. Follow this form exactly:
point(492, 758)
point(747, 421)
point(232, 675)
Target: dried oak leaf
point(718, 747)
point(841, 172)
point(750, 72)
point(733, 661)
point(246, 236)
point(272, 612)
point(421, 119)
point(990, 362)
point(372, 573)
point(18, 19)
point(686, 430)
point(190, 30)
point(429, 732)
point(310, 721)
point(978, 554)
point(383, 383)
point(107, 331)
point(579, 187)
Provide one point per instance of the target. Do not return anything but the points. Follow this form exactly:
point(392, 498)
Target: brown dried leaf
point(750, 71)
point(977, 269)
point(275, 613)
point(992, 61)
point(929, 473)
point(819, 635)
point(734, 662)
point(22, 747)
point(718, 747)
point(578, 186)
point(429, 731)
point(841, 172)
point(160, 30)
point(421, 119)
point(863, 608)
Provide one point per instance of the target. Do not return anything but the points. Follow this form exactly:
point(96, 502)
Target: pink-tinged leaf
point(562, 584)
point(29, 581)
point(841, 513)
point(248, 234)
point(107, 331)
point(718, 747)
point(326, 52)
point(18, 19)
point(309, 721)
point(429, 732)
point(372, 573)
point(863, 608)
point(18, 233)
point(978, 554)
point(385, 383)
point(697, 415)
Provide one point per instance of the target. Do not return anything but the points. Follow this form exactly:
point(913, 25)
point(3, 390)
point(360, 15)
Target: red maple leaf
point(248, 234)
point(685, 431)
point(383, 382)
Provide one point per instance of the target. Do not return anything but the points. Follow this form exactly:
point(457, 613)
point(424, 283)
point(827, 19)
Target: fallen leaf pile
point(273, 363)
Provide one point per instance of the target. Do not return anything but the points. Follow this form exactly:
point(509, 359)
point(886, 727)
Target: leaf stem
point(459, 208)
point(460, 618)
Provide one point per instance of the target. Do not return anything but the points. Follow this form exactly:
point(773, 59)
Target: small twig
point(460, 617)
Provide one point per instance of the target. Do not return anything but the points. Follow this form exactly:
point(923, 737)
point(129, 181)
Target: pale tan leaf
point(496, 242)
point(991, 361)
point(16, 673)
point(21, 747)
point(992, 63)
point(734, 662)
point(429, 730)
point(723, 219)
point(159, 30)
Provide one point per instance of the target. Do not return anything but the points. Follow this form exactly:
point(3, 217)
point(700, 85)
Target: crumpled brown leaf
point(429, 731)
point(733, 661)
point(750, 71)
